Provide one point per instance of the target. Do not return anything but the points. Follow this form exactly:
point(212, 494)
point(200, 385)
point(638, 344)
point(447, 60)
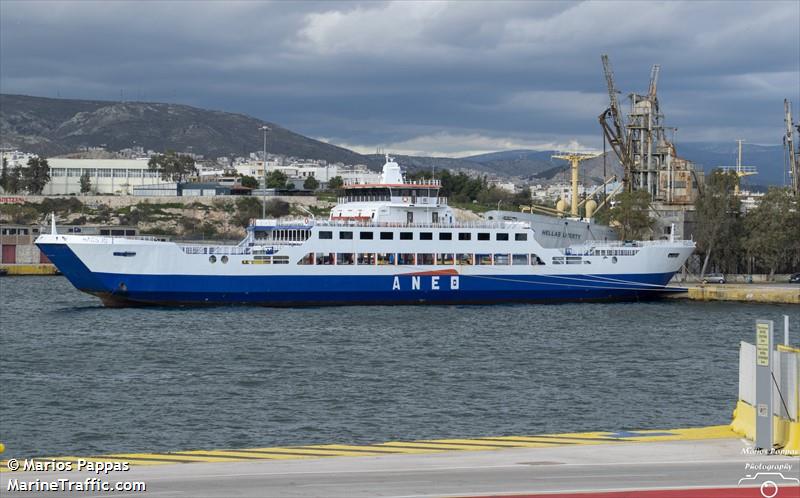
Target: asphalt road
point(634, 466)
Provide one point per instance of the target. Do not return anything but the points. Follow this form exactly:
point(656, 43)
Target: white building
point(552, 193)
point(300, 170)
point(504, 185)
point(16, 158)
point(107, 176)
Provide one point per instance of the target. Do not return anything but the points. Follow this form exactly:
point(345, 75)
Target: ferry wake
point(393, 242)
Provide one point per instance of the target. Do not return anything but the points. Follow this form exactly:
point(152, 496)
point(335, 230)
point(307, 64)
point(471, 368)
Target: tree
point(249, 182)
point(173, 167)
point(4, 175)
point(718, 227)
point(631, 213)
point(14, 181)
point(86, 183)
point(36, 175)
point(277, 179)
point(311, 183)
point(335, 182)
point(773, 230)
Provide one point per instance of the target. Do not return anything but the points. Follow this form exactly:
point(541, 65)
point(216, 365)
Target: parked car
point(795, 279)
point(714, 278)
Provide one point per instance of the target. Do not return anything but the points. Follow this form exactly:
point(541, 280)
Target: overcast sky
point(428, 77)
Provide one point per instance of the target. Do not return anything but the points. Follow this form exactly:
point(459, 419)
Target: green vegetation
point(474, 193)
point(631, 215)
point(86, 183)
point(773, 232)
point(248, 208)
point(36, 175)
point(249, 181)
point(765, 240)
point(4, 175)
point(173, 167)
point(277, 179)
point(335, 182)
point(31, 178)
point(311, 183)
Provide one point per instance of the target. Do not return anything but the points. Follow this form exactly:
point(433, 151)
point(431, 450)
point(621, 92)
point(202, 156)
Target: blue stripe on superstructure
point(353, 289)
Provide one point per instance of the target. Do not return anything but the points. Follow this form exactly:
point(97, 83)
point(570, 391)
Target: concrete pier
point(753, 293)
point(671, 464)
point(30, 269)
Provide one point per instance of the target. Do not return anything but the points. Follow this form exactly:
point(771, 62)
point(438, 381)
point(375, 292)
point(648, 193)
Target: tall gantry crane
point(613, 129)
point(788, 141)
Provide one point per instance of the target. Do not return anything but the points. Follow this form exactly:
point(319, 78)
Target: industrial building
point(649, 158)
point(107, 176)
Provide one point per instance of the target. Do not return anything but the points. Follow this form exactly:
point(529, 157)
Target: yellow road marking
point(430, 445)
point(354, 448)
point(404, 447)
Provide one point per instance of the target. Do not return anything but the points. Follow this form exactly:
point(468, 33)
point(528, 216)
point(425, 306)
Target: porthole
point(212, 259)
point(614, 259)
point(224, 259)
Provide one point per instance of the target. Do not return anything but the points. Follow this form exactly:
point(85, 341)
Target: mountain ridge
point(51, 126)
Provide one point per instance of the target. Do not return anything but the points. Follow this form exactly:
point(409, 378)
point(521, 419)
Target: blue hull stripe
point(296, 290)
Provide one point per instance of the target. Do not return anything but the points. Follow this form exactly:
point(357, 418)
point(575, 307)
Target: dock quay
point(657, 463)
point(31, 269)
point(778, 293)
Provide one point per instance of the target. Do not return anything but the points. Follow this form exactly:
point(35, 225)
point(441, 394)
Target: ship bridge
point(393, 200)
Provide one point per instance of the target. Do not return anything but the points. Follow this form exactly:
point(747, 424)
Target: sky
point(425, 78)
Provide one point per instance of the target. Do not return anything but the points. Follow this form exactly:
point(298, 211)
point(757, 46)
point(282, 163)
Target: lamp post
point(265, 128)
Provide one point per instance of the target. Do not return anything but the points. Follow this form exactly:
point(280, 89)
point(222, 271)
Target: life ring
point(405, 199)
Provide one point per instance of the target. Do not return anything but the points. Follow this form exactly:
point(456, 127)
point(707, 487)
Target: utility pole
point(265, 128)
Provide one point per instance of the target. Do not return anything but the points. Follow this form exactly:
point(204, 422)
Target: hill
point(58, 126)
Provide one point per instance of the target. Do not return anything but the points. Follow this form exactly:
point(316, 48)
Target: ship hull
point(438, 287)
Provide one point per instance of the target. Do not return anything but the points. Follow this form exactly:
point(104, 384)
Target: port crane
point(613, 129)
point(788, 141)
point(740, 170)
point(575, 159)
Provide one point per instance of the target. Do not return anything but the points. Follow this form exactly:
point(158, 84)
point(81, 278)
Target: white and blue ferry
point(394, 242)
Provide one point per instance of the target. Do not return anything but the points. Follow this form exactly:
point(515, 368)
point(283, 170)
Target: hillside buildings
point(123, 176)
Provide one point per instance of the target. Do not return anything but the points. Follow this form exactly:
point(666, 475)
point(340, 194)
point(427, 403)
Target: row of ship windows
point(445, 259)
point(422, 236)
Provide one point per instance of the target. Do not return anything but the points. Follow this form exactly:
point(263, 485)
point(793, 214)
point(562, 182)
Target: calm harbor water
point(77, 378)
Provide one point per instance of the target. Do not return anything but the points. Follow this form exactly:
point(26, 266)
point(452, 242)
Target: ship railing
point(590, 248)
point(637, 243)
point(311, 222)
point(120, 239)
point(223, 250)
point(453, 225)
point(419, 201)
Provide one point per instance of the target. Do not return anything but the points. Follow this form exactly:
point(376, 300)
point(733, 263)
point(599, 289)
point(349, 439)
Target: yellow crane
point(574, 159)
point(740, 170)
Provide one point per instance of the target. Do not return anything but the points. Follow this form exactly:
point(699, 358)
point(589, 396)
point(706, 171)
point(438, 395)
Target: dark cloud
point(428, 76)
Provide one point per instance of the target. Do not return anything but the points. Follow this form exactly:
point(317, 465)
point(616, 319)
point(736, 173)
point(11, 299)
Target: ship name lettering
point(416, 283)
